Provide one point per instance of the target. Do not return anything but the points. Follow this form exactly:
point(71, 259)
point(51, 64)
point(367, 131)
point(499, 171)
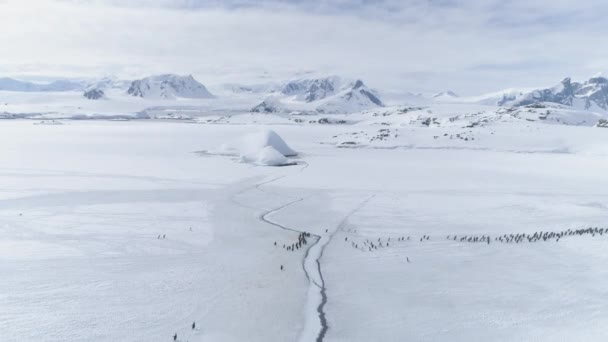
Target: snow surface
point(84, 206)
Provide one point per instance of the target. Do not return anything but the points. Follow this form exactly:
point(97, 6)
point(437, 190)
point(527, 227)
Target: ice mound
point(267, 156)
point(255, 142)
point(265, 148)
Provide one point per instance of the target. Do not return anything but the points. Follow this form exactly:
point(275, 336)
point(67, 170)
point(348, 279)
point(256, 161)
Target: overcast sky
point(469, 46)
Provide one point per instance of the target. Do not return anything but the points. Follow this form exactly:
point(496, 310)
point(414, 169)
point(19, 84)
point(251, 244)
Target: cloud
point(420, 45)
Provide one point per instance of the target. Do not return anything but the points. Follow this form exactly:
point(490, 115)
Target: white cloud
point(469, 46)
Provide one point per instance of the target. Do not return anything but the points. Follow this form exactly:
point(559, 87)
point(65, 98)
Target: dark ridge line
point(322, 318)
point(324, 325)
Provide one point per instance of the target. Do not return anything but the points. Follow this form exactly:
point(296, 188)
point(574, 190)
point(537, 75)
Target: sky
point(468, 46)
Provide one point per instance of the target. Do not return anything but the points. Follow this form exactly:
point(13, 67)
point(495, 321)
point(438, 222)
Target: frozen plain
point(82, 206)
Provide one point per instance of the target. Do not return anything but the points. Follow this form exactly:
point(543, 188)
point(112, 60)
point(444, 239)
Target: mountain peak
point(358, 84)
point(445, 94)
point(357, 98)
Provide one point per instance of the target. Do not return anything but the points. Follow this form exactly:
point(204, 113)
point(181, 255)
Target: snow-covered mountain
point(168, 87)
point(323, 95)
point(590, 94)
point(10, 84)
point(357, 98)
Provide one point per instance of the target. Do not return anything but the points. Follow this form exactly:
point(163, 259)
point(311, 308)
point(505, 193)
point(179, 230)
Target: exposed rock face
point(310, 90)
point(94, 94)
point(270, 105)
point(602, 123)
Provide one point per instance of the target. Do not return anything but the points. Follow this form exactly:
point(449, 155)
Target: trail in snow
point(316, 325)
point(317, 294)
point(316, 290)
point(314, 329)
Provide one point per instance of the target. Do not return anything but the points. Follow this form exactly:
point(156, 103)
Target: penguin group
point(371, 245)
point(301, 241)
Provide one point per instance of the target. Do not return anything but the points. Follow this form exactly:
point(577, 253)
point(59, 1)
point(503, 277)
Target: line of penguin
point(530, 238)
point(370, 245)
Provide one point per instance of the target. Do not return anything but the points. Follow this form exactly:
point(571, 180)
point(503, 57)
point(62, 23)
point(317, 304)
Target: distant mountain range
point(328, 94)
point(166, 86)
point(590, 94)
point(10, 84)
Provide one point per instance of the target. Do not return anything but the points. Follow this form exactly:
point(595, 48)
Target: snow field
point(83, 204)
